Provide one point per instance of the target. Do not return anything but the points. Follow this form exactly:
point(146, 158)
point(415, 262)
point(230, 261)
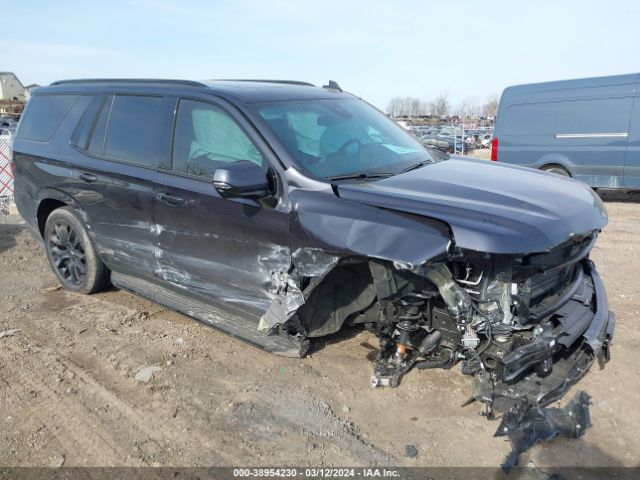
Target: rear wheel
point(71, 254)
point(557, 169)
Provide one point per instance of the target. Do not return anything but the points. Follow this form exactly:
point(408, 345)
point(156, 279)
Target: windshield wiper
point(417, 165)
point(356, 176)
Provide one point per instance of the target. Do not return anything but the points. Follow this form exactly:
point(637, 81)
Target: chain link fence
point(6, 176)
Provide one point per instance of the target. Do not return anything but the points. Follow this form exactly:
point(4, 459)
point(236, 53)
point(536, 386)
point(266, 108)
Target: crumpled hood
point(490, 207)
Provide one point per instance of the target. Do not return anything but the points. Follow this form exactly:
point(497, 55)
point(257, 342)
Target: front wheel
point(71, 254)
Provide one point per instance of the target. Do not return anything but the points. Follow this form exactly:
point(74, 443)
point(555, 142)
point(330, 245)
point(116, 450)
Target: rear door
point(123, 144)
point(225, 251)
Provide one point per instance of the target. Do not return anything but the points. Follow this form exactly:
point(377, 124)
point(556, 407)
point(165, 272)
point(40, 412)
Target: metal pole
point(455, 141)
point(462, 133)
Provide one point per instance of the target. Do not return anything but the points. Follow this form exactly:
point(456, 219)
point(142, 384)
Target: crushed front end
point(527, 327)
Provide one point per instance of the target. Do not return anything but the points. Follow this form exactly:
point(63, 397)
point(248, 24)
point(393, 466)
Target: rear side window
point(134, 129)
point(44, 116)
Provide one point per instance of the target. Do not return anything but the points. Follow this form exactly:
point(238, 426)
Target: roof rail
point(286, 82)
point(142, 81)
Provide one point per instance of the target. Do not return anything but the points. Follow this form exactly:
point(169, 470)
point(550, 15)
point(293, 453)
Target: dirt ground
point(68, 393)
point(483, 153)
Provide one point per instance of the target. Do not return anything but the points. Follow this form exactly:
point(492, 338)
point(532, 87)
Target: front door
point(224, 251)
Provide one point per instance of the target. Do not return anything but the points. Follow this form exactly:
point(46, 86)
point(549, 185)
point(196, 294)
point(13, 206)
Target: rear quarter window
point(87, 126)
point(44, 115)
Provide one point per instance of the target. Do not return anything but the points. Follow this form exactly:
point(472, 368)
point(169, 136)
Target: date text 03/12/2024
point(316, 472)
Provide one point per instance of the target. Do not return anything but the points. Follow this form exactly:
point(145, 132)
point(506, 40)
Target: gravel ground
point(5, 202)
point(69, 394)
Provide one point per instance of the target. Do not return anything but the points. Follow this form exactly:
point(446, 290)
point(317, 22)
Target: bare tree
point(393, 108)
point(441, 105)
point(468, 107)
point(490, 107)
point(415, 107)
point(406, 106)
point(426, 107)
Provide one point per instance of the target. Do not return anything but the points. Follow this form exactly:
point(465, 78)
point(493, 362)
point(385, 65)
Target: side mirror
point(242, 179)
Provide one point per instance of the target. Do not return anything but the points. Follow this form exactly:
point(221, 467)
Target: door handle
point(171, 199)
point(87, 177)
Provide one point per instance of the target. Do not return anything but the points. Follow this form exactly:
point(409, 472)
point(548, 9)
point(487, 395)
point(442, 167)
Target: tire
point(71, 255)
point(558, 170)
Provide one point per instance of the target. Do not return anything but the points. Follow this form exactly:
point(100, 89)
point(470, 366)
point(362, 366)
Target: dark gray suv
point(279, 212)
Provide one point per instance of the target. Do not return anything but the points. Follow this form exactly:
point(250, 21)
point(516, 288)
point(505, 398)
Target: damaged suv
point(278, 212)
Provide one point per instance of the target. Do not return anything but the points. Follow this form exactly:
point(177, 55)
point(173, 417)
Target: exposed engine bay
point(526, 327)
point(500, 315)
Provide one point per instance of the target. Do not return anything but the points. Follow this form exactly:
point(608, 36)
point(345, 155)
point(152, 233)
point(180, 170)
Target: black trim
point(596, 330)
point(569, 292)
point(529, 270)
point(282, 82)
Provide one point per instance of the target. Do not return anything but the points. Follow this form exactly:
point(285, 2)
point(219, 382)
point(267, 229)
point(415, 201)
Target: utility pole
point(462, 132)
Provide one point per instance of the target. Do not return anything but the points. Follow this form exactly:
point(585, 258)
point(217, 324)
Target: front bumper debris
point(582, 336)
point(566, 351)
point(573, 328)
point(527, 425)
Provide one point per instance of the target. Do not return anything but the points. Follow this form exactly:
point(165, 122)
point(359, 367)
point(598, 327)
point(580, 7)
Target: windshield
point(331, 138)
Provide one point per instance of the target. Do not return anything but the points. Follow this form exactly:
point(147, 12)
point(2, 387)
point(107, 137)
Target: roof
point(270, 90)
point(6, 74)
point(591, 82)
point(244, 90)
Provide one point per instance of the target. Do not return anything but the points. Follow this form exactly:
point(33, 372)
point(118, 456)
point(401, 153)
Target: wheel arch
point(549, 166)
point(555, 160)
point(50, 199)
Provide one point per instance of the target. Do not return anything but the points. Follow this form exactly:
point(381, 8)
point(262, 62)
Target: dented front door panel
point(230, 251)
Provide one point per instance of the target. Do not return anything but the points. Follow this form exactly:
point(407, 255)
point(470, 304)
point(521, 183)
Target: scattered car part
point(526, 425)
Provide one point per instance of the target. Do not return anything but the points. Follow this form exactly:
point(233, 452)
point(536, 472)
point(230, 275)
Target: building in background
point(29, 89)
point(12, 94)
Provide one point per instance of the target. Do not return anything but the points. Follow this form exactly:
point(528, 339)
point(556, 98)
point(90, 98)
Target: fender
point(327, 230)
point(345, 228)
point(51, 193)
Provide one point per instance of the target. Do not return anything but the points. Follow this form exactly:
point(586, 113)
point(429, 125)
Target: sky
point(374, 49)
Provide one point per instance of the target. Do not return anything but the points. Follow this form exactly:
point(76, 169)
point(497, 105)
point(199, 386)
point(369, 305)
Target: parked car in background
point(588, 129)
point(438, 142)
point(6, 121)
point(450, 138)
point(7, 134)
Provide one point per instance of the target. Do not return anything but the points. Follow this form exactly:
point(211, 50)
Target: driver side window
point(207, 137)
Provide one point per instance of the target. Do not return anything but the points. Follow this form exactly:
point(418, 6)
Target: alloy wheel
point(67, 253)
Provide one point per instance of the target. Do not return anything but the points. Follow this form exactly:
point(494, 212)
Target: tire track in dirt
point(81, 378)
